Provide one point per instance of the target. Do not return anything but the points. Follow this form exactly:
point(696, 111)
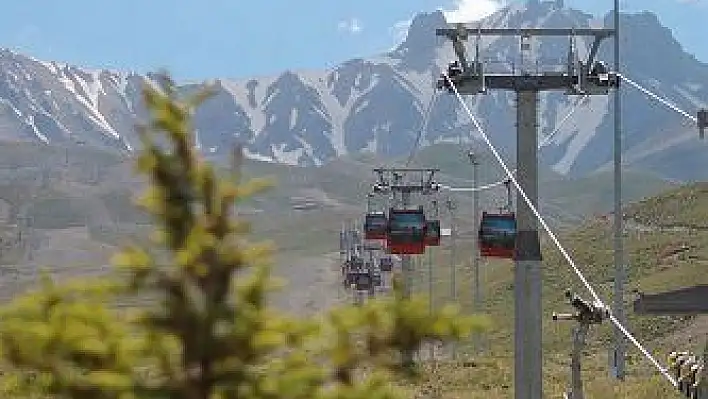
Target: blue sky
point(239, 38)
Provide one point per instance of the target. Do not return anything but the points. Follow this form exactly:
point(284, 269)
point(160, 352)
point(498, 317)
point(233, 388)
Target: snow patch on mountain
point(582, 129)
point(373, 104)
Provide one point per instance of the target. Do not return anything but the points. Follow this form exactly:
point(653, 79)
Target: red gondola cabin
point(406, 232)
point(497, 235)
point(432, 233)
point(375, 226)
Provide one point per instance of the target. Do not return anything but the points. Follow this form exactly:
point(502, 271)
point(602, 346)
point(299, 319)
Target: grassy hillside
point(86, 206)
point(78, 186)
point(666, 243)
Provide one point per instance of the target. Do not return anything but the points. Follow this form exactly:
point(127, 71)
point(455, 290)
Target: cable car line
point(548, 138)
point(478, 188)
point(423, 125)
point(543, 143)
point(658, 98)
point(599, 303)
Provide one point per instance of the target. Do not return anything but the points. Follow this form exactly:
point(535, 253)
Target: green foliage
point(209, 333)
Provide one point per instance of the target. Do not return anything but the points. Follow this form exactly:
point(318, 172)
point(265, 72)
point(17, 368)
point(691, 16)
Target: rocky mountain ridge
point(378, 104)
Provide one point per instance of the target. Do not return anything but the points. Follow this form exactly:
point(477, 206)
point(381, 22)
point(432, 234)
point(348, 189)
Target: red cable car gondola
point(375, 226)
point(432, 233)
point(497, 235)
point(406, 232)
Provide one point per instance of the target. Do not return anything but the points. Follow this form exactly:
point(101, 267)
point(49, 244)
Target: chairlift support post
point(582, 78)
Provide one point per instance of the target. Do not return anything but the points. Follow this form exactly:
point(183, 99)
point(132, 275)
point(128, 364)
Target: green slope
point(667, 248)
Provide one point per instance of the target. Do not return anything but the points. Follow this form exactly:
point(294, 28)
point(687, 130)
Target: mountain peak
point(425, 22)
point(378, 104)
point(418, 49)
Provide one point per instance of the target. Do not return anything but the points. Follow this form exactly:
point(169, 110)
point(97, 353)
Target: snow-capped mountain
point(379, 103)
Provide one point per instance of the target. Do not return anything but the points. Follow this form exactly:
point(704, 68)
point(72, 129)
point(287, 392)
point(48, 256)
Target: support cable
point(472, 189)
point(567, 116)
point(658, 98)
point(598, 302)
point(548, 138)
point(542, 144)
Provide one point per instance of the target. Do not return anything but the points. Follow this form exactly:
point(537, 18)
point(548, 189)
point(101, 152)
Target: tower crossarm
point(590, 77)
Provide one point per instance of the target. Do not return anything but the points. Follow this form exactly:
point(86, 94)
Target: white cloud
point(352, 26)
point(462, 11)
point(472, 10)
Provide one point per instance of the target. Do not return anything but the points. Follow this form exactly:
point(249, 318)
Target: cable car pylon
point(583, 77)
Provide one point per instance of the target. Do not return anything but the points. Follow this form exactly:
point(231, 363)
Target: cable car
point(352, 265)
point(375, 225)
point(363, 281)
point(406, 231)
point(386, 264)
point(349, 279)
point(342, 242)
point(497, 235)
point(377, 280)
point(432, 233)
